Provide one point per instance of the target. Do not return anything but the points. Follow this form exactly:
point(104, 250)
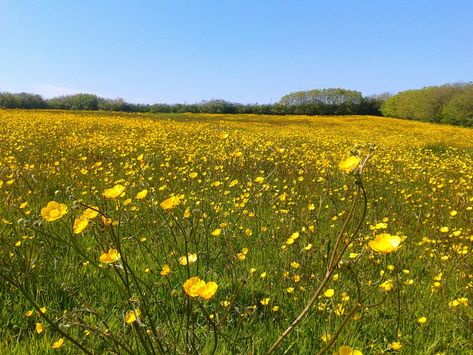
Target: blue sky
point(243, 50)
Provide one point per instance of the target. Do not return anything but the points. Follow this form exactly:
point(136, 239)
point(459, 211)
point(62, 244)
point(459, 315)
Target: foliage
point(447, 104)
point(330, 101)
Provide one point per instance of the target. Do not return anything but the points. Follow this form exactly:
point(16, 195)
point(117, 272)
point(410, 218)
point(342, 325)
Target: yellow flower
point(295, 265)
point(387, 285)
point(80, 224)
point(53, 211)
point(106, 221)
point(193, 175)
point(349, 164)
point(58, 344)
point(233, 183)
point(422, 320)
point(132, 316)
point(329, 293)
point(385, 243)
point(142, 194)
point(190, 258)
point(29, 313)
point(39, 328)
point(108, 258)
point(326, 337)
point(170, 203)
point(259, 179)
point(265, 301)
point(115, 192)
point(91, 213)
point(193, 285)
point(395, 345)
point(217, 232)
point(347, 350)
point(207, 291)
point(165, 270)
point(444, 230)
point(241, 256)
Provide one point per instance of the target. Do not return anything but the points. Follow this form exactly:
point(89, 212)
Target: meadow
point(195, 233)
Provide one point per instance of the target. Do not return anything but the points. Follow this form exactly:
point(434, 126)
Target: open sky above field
point(245, 51)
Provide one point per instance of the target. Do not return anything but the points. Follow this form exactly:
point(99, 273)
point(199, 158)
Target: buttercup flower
point(114, 192)
point(385, 243)
point(108, 258)
point(53, 211)
point(170, 203)
point(349, 164)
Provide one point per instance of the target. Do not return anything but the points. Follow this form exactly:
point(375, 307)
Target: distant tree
point(75, 102)
point(430, 104)
point(333, 101)
point(459, 109)
point(21, 100)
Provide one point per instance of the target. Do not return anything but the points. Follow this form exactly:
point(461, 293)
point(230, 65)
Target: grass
point(259, 180)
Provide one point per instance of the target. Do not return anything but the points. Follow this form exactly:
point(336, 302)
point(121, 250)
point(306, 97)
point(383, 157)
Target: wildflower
point(385, 243)
point(326, 337)
point(132, 316)
point(108, 258)
point(39, 328)
point(189, 259)
point(339, 310)
point(217, 232)
point(170, 203)
point(208, 290)
point(329, 293)
point(387, 286)
point(53, 211)
point(91, 213)
point(259, 179)
point(233, 183)
point(114, 192)
point(422, 320)
point(193, 285)
point(395, 345)
point(265, 301)
point(142, 194)
point(349, 164)
point(80, 224)
point(58, 344)
point(193, 175)
point(241, 256)
point(196, 287)
point(106, 221)
point(165, 270)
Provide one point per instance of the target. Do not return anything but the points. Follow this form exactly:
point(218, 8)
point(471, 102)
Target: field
point(269, 222)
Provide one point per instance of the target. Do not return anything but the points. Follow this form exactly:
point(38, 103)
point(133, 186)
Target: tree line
point(313, 102)
point(449, 103)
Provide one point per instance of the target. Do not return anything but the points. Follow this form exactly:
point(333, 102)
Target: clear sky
point(240, 50)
